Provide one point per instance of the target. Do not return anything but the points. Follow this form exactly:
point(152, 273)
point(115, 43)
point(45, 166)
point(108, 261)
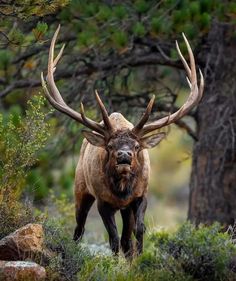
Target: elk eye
point(137, 147)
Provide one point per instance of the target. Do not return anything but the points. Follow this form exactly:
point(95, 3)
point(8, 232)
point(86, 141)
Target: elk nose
point(121, 153)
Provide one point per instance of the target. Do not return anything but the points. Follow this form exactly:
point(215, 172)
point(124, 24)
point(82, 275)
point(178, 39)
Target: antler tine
point(69, 111)
point(87, 121)
point(194, 96)
point(105, 116)
point(183, 60)
point(192, 61)
point(58, 56)
point(55, 97)
point(145, 116)
point(54, 91)
point(201, 87)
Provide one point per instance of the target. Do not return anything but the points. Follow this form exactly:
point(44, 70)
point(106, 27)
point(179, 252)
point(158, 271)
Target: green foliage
point(120, 38)
point(106, 268)
point(143, 18)
point(105, 13)
point(141, 6)
point(40, 30)
point(120, 11)
point(14, 215)
point(5, 58)
point(204, 253)
point(38, 183)
point(68, 257)
point(63, 210)
point(28, 8)
point(144, 268)
point(91, 9)
point(155, 24)
point(16, 36)
point(188, 254)
point(163, 268)
point(20, 141)
point(194, 7)
point(205, 20)
point(139, 29)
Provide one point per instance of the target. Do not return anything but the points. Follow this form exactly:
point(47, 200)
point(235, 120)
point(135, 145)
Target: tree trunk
point(213, 179)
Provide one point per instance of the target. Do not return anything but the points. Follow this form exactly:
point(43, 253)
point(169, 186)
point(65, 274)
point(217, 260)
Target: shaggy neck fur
point(121, 185)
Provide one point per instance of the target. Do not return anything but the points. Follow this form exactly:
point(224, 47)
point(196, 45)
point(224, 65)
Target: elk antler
point(195, 96)
point(56, 100)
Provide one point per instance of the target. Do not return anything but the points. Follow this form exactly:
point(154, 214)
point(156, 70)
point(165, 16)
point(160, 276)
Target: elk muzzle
point(124, 161)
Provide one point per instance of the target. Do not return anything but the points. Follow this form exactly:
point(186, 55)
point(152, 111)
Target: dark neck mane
point(120, 186)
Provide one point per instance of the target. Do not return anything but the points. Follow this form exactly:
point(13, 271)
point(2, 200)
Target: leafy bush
point(21, 139)
point(204, 253)
point(14, 216)
point(68, 256)
point(164, 267)
point(62, 209)
point(106, 268)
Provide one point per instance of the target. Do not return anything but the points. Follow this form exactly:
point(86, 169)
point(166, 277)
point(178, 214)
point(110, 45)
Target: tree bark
point(213, 179)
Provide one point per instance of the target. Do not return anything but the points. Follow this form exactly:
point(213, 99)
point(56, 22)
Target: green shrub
point(14, 216)
point(202, 252)
point(68, 257)
point(21, 139)
point(107, 268)
point(161, 267)
point(188, 254)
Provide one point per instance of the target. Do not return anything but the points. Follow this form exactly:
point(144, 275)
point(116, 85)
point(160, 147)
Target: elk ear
point(94, 138)
point(153, 140)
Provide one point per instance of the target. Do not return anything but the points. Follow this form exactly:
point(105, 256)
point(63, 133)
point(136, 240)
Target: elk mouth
point(124, 161)
point(123, 165)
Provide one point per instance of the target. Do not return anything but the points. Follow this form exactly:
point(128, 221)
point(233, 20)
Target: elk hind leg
point(81, 212)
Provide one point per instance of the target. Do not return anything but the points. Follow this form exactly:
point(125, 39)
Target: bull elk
point(114, 166)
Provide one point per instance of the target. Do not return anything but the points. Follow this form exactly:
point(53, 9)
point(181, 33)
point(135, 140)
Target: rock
point(24, 243)
point(21, 271)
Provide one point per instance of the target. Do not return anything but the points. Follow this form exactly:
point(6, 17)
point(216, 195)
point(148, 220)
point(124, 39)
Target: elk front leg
point(81, 213)
point(128, 226)
point(107, 212)
point(139, 207)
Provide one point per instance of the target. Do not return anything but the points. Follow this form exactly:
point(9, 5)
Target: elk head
point(123, 147)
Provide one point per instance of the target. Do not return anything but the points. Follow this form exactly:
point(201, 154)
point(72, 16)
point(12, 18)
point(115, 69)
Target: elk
point(113, 166)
